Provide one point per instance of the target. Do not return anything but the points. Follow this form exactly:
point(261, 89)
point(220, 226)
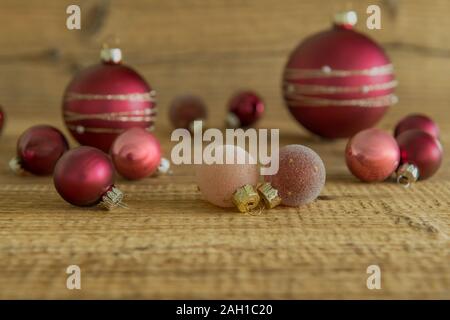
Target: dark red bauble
point(185, 109)
point(244, 109)
point(38, 150)
point(419, 122)
point(104, 100)
point(419, 152)
point(338, 82)
point(84, 176)
point(136, 154)
point(2, 119)
point(372, 155)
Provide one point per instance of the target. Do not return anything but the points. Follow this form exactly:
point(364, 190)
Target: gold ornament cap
point(345, 19)
point(269, 195)
point(246, 198)
point(112, 199)
point(406, 174)
point(111, 55)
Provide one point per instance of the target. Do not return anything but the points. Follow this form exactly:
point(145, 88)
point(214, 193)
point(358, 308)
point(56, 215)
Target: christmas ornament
point(244, 109)
point(84, 176)
point(338, 82)
point(2, 119)
point(420, 156)
point(417, 121)
point(136, 154)
point(300, 177)
point(218, 182)
point(38, 150)
point(106, 99)
point(186, 109)
point(372, 155)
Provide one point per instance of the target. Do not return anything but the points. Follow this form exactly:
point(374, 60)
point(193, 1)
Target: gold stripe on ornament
point(328, 72)
point(382, 101)
point(146, 96)
point(147, 114)
point(82, 129)
point(292, 88)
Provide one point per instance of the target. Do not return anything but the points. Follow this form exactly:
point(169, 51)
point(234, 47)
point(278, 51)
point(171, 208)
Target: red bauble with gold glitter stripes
point(339, 82)
point(106, 99)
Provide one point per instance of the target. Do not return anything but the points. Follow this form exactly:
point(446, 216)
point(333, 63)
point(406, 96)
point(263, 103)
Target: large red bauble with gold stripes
point(104, 100)
point(339, 82)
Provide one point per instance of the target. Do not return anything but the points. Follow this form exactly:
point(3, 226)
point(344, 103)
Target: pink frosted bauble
point(301, 175)
point(218, 182)
point(136, 154)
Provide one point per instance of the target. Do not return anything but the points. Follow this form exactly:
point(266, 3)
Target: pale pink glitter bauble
point(218, 182)
point(301, 175)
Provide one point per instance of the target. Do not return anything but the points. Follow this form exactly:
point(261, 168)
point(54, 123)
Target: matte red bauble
point(244, 109)
point(84, 176)
point(419, 122)
point(338, 82)
point(2, 119)
point(136, 154)
point(372, 155)
point(300, 177)
point(186, 109)
point(420, 156)
point(38, 150)
point(104, 100)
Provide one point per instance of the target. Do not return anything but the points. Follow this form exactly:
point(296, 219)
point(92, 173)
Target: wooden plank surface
point(171, 244)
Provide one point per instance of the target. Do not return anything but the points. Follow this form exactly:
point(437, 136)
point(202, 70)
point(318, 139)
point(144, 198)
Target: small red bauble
point(104, 100)
point(338, 82)
point(186, 109)
point(136, 154)
point(419, 122)
point(244, 109)
point(38, 150)
point(300, 177)
point(372, 155)
point(420, 156)
point(84, 176)
point(2, 119)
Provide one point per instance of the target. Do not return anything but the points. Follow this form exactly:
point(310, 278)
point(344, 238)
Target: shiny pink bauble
point(300, 177)
point(136, 154)
point(83, 175)
point(419, 122)
point(338, 82)
point(218, 182)
point(185, 109)
point(372, 155)
point(422, 150)
point(104, 100)
point(246, 107)
point(2, 119)
point(39, 148)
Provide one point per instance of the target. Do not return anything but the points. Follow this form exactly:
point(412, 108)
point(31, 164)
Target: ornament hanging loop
point(346, 19)
point(111, 52)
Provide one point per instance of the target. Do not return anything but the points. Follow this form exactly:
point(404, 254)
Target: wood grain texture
point(171, 244)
